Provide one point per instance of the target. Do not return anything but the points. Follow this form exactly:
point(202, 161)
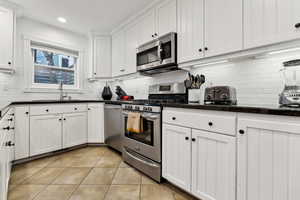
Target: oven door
point(148, 142)
point(158, 53)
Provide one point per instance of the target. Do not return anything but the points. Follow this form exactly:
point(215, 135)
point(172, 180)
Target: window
point(52, 66)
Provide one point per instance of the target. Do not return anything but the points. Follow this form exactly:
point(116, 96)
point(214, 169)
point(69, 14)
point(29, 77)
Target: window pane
point(53, 76)
point(53, 59)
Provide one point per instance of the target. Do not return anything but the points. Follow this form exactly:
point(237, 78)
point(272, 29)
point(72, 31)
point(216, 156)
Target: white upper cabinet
point(223, 26)
point(102, 57)
point(131, 44)
point(118, 52)
point(147, 27)
point(6, 38)
point(166, 17)
point(270, 21)
point(190, 30)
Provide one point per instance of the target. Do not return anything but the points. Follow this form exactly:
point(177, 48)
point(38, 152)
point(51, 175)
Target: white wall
point(258, 81)
point(12, 87)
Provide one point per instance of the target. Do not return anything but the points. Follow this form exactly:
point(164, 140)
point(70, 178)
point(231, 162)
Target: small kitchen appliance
point(158, 55)
point(290, 96)
point(143, 150)
point(106, 93)
point(223, 95)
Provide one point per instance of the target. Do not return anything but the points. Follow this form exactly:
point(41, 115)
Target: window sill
point(55, 91)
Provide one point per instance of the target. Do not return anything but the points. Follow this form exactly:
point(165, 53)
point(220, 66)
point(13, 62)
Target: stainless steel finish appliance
point(290, 96)
point(143, 150)
point(220, 95)
point(158, 56)
point(113, 126)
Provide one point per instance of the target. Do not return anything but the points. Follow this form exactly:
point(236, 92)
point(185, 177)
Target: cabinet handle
point(242, 132)
point(26, 113)
point(206, 49)
point(193, 139)
point(187, 138)
point(173, 118)
point(210, 123)
point(12, 128)
point(9, 144)
point(11, 119)
point(9, 63)
point(75, 109)
point(297, 25)
point(59, 119)
point(6, 128)
point(12, 114)
point(64, 119)
point(122, 70)
point(95, 73)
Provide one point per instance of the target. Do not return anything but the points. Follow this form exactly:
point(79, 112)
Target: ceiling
point(83, 16)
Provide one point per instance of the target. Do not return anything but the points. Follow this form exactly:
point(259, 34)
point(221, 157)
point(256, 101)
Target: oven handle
point(148, 117)
point(141, 160)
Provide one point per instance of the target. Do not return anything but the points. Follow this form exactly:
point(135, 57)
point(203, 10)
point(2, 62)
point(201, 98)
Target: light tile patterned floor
point(91, 173)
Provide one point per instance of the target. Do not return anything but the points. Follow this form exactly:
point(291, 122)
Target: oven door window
point(146, 136)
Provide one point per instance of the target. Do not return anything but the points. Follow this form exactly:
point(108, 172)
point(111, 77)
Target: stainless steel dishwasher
point(113, 126)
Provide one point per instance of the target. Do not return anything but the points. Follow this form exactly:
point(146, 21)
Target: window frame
point(54, 86)
point(29, 42)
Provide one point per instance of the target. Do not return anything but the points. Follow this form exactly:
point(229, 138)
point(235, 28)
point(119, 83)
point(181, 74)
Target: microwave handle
point(159, 50)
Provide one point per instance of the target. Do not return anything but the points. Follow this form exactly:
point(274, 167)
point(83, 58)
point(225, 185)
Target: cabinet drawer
point(214, 121)
point(56, 109)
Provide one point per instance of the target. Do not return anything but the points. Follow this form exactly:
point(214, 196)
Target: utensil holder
point(194, 95)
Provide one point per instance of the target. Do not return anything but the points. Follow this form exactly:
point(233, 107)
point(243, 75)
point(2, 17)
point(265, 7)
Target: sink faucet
point(62, 96)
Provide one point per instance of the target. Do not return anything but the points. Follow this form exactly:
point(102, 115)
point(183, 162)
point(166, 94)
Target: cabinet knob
point(193, 139)
point(6, 128)
point(64, 119)
point(75, 109)
point(200, 50)
point(89, 109)
point(9, 63)
point(26, 113)
point(152, 36)
point(59, 119)
point(187, 138)
point(173, 118)
point(242, 132)
point(95, 73)
point(155, 34)
point(47, 110)
point(297, 25)
point(206, 49)
point(11, 119)
point(210, 123)
point(9, 144)
point(12, 114)
point(122, 70)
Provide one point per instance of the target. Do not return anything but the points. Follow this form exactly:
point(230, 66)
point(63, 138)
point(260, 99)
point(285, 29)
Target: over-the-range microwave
point(158, 56)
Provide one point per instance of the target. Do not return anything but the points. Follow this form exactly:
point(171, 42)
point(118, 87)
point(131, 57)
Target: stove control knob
point(150, 109)
point(137, 108)
point(208, 97)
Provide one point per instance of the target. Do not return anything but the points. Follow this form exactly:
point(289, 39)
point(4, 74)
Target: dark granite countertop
point(261, 109)
point(267, 109)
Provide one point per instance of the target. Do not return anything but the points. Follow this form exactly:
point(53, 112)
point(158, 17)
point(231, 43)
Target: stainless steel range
point(143, 150)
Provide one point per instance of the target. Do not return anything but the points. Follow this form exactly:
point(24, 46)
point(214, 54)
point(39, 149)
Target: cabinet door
point(102, 57)
point(176, 155)
point(74, 129)
point(147, 27)
point(45, 134)
point(166, 14)
point(131, 44)
point(223, 26)
point(213, 166)
point(268, 158)
point(96, 123)
point(21, 132)
point(190, 30)
point(6, 37)
point(118, 53)
point(270, 21)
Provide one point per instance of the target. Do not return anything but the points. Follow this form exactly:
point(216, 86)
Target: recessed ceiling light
point(62, 20)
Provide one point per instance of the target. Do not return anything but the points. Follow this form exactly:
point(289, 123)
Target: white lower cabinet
point(176, 157)
point(200, 162)
point(213, 166)
point(21, 132)
point(45, 134)
point(268, 158)
point(96, 123)
point(74, 129)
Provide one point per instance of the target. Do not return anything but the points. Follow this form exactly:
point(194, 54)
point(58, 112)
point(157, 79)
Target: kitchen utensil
point(120, 92)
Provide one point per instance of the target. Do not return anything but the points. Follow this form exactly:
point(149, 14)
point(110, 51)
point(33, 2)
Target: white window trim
point(29, 66)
